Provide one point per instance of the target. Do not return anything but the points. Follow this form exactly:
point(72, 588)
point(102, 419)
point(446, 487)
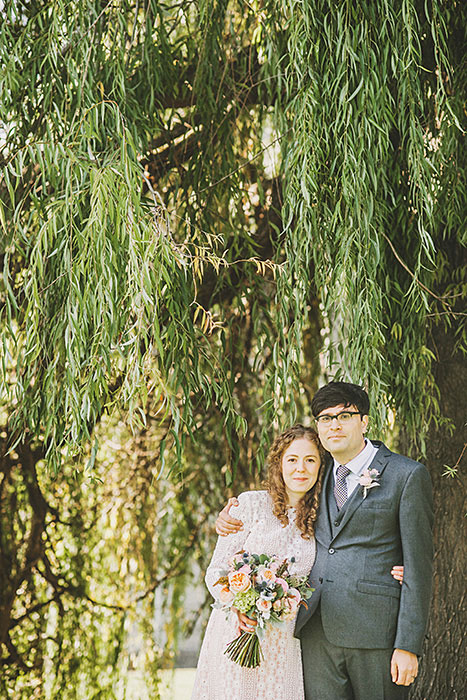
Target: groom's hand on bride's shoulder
point(225, 523)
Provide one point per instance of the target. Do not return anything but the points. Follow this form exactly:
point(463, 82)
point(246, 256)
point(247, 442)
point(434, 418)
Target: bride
point(278, 521)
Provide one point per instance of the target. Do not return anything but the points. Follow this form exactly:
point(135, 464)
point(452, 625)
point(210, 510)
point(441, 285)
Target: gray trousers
point(337, 673)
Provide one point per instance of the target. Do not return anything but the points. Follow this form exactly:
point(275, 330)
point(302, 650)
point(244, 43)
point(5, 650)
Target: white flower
point(368, 480)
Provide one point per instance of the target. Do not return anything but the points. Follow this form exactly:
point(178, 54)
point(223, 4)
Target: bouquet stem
point(245, 650)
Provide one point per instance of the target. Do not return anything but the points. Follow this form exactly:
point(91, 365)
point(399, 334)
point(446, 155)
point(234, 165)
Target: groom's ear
point(364, 424)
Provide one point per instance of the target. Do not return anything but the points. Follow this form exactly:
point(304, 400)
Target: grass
point(176, 685)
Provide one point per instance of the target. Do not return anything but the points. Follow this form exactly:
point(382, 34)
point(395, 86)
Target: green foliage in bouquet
point(264, 591)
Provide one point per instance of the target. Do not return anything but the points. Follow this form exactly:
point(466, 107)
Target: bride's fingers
point(246, 628)
point(397, 572)
point(246, 624)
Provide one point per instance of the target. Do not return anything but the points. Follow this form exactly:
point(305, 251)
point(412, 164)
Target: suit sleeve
point(227, 546)
point(416, 524)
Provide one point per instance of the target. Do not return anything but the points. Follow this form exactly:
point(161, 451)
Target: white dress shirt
point(357, 465)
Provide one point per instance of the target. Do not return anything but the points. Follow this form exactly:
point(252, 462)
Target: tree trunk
point(442, 671)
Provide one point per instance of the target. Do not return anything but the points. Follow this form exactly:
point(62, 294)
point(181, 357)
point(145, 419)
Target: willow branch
point(415, 278)
point(177, 568)
point(247, 162)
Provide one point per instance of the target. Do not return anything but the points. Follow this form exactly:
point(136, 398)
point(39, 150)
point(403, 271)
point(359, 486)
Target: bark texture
point(442, 670)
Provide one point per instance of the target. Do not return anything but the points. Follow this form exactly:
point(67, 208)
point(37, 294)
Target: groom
point(362, 633)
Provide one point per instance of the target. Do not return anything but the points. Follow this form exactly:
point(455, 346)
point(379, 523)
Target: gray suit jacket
point(361, 605)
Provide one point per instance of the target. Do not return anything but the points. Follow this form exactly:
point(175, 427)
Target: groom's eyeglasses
point(343, 417)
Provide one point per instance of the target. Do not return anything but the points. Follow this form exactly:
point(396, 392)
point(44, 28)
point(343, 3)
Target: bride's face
point(300, 468)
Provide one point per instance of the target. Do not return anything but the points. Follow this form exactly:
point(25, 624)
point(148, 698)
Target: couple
point(346, 523)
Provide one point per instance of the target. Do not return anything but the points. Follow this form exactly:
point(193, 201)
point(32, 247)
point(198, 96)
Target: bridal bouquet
point(262, 588)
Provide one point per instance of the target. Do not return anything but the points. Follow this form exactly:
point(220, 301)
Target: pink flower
point(239, 581)
point(368, 480)
point(226, 595)
point(293, 593)
point(246, 569)
point(293, 604)
point(282, 582)
point(277, 605)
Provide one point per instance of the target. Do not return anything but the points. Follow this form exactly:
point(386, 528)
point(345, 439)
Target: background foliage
point(207, 208)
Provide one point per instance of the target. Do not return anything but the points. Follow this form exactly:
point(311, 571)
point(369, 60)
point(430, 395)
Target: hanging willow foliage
point(206, 208)
point(371, 112)
point(100, 298)
point(104, 274)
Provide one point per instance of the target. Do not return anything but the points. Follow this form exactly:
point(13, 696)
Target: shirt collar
point(362, 460)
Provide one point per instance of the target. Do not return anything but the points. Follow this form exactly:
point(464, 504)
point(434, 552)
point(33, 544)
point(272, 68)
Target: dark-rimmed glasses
point(342, 417)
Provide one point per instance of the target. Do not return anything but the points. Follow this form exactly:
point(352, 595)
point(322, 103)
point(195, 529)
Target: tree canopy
point(208, 208)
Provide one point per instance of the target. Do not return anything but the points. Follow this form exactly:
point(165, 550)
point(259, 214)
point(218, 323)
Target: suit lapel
point(379, 462)
point(323, 531)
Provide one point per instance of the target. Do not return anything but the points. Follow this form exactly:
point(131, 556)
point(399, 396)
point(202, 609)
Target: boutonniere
point(368, 480)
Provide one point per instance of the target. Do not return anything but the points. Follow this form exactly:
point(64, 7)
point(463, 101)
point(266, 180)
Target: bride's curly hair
point(307, 508)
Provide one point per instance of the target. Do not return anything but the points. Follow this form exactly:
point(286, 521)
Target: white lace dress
point(279, 675)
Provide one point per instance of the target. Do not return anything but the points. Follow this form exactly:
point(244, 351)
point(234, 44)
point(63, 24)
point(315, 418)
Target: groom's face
point(343, 439)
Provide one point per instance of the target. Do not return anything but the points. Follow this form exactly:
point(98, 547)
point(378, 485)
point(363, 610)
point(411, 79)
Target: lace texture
point(280, 674)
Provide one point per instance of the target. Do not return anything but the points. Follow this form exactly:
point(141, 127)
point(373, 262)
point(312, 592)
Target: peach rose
point(239, 581)
point(226, 595)
point(277, 605)
point(265, 574)
point(263, 605)
point(290, 608)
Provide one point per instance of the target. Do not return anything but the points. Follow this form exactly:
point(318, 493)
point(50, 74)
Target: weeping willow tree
point(206, 208)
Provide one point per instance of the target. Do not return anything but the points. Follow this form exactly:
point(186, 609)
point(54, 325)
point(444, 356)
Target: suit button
point(331, 551)
point(336, 522)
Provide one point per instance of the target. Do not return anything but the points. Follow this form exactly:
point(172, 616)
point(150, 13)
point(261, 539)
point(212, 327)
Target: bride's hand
point(245, 623)
point(225, 524)
point(397, 572)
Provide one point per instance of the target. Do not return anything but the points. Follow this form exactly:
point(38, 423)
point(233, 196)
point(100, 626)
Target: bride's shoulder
point(254, 500)
point(253, 496)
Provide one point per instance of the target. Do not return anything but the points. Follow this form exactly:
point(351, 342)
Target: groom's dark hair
point(336, 393)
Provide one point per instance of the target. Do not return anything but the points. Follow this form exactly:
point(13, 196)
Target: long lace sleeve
point(226, 547)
